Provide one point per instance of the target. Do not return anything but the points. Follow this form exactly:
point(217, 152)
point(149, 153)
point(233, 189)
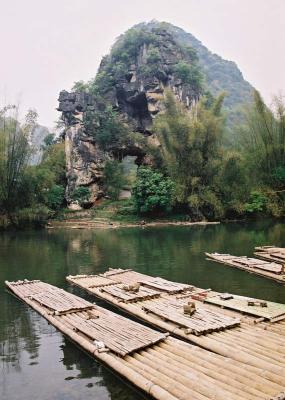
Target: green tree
point(152, 192)
point(189, 73)
point(81, 194)
point(107, 128)
point(48, 141)
point(114, 178)
point(263, 142)
point(80, 86)
point(233, 183)
point(257, 202)
point(14, 157)
point(41, 181)
point(190, 147)
point(55, 197)
point(53, 161)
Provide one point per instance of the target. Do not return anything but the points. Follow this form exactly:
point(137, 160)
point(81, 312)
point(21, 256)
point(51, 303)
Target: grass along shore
point(115, 214)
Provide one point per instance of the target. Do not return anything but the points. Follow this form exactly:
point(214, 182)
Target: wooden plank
point(250, 262)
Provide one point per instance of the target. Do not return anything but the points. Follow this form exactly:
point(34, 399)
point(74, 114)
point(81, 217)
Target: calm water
point(37, 362)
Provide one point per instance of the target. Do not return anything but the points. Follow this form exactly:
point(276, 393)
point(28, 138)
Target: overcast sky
point(46, 45)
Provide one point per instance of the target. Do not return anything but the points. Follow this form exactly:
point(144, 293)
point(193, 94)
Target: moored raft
point(249, 339)
point(267, 269)
point(271, 253)
point(164, 367)
point(164, 303)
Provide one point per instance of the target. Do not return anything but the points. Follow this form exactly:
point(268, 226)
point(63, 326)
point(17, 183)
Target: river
point(37, 362)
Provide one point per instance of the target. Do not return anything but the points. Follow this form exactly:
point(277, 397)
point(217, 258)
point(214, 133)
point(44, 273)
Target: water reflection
point(37, 362)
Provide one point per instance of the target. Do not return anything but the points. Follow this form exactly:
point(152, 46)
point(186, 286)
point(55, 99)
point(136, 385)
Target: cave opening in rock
point(129, 172)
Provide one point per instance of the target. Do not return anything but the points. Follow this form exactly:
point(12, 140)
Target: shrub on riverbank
point(31, 217)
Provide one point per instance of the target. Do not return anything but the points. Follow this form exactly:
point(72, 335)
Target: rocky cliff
point(141, 65)
point(131, 80)
point(84, 158)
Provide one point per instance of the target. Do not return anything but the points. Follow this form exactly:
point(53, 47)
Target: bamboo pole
point(221, 374)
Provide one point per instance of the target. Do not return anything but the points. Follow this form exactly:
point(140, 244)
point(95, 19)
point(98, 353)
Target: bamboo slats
point(167, 307)
point(170, 369)
point(116, 333)
point(271, 253)
point(224, 342)
point(271, 270)
point(122, 294)
point(60, 301)
point(239, 304)
point(271, 311)
point(119, 335)
point(94, 280)
point(201, 322)
point(165, 285)
point(128, 276)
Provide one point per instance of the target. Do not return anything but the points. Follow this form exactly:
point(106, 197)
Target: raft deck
point(267, 310)
point(156, 296)
point(164, 367)
point(271, 253)
point(270, 270)
point(223, 331)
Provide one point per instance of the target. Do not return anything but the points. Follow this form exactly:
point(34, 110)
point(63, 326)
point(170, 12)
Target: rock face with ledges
point(136, 95)
point(132, 79)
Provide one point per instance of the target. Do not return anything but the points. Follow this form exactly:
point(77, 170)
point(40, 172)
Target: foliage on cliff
point(125, 52)
point(220, 75)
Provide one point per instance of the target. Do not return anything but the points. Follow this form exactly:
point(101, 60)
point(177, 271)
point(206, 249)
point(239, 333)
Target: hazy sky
point(49, 44)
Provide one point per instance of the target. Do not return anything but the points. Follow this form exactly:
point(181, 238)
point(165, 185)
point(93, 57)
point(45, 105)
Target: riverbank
point(105, 224)
point(117, 214)
point(105, 214)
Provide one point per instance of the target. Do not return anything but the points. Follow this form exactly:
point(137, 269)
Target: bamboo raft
point(165, 301)
point(271, 270)
point(162, 366)
point(271, 253)
point(224, 331)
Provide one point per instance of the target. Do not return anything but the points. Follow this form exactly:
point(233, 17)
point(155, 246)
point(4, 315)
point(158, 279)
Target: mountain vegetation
point(220, 76)
point(205, 144)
